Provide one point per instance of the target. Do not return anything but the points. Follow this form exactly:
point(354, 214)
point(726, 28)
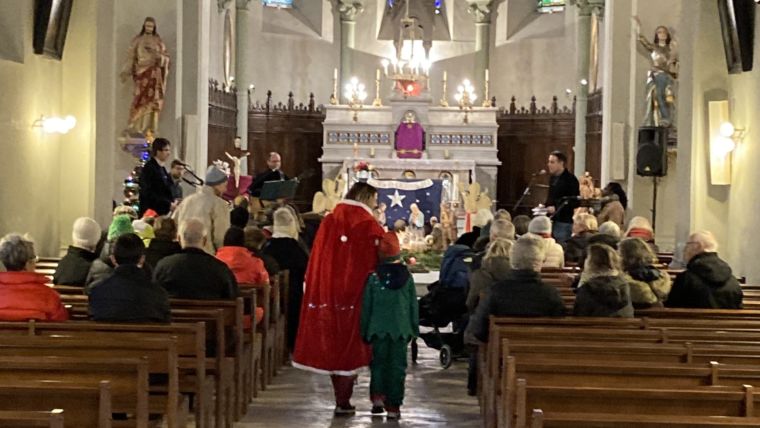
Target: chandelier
point(410, 67)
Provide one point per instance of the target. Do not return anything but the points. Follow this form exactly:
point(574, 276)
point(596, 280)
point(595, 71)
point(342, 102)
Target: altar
point(454, 149)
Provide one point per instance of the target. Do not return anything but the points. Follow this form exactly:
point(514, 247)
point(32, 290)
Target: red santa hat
point(389, 246)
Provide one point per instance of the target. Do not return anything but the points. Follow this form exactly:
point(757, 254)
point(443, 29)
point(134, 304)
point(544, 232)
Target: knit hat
point(215, 176)
point(150, 213)
point(85, 233)
point(389, 246)
point(120, 225)
point(143, 229)
point(540, 225)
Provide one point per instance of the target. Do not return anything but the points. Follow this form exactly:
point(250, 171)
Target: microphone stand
point(198, 182)
point(526, 192)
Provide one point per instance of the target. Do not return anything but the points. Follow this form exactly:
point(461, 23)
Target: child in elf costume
point(389, 321)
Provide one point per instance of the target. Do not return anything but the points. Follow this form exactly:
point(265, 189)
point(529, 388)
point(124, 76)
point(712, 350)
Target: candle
point(377, 75)
point(486, 75)
point(446, 154)
point(335, 74)
point(444, 75)
point(372, 152)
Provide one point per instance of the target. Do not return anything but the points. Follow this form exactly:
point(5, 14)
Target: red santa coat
point(343, 255)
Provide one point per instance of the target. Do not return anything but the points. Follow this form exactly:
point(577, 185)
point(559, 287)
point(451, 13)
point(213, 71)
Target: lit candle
point(335, 74)
point(444, 75)
point(486, 75)
point(377, 75)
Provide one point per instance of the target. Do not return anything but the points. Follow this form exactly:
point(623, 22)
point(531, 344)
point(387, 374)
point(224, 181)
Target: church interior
point(454, 105)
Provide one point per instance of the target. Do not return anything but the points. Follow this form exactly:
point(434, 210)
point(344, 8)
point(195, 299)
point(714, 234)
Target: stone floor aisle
point(434, 398)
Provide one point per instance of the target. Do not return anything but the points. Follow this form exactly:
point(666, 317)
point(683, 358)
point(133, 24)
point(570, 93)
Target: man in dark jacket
point(561, 199)
point(707, 281)
point(155, 183)
point(193, 273)
point(273, 173)
point(73, 267)
point(521, 294)
point(128, 295)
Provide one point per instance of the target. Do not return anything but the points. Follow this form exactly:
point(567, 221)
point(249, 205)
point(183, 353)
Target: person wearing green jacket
point(389, 321)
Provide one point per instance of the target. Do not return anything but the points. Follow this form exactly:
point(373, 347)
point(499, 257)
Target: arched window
point(551, 6)
point(278, 3)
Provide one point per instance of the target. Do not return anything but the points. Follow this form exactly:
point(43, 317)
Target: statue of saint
point(416, 217)
point(661, 79)
point(148, 65)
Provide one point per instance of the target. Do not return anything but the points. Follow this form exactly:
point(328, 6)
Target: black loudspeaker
point(651, 152)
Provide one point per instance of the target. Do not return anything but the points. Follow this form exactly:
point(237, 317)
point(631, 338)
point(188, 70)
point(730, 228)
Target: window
point(551, 6)
point(280, 4)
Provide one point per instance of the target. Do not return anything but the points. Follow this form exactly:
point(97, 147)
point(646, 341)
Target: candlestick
point(356, 150)
point(378, 101)
point(486, 75)
point(444, 102)
point(372, 152)
point(334, 96)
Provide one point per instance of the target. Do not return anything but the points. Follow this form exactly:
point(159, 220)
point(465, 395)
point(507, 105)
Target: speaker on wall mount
point(651, 152)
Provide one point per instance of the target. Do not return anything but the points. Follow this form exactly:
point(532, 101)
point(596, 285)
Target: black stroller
point(439, 308)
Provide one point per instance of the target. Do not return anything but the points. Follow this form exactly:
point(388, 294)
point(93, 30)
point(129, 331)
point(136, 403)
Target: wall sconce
point(723, 139)
point(355, 93)
point(465, 97)
point(55, 125)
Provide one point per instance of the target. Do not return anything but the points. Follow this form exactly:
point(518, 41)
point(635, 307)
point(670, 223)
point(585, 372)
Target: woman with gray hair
point(24, 294)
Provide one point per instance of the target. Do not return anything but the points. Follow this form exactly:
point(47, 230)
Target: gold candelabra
point(356, 93)
point(465, 97)
point(378, 102)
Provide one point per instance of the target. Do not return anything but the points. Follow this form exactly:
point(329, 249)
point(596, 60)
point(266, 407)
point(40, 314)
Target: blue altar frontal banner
point(398, 196)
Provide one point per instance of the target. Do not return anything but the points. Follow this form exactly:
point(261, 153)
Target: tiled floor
point(434, 398)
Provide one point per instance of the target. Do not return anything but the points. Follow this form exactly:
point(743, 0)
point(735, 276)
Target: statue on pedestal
point(410, 137)
point(661, 79)
point(148, 65)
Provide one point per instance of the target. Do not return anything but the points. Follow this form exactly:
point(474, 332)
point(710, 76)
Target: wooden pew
point(539, 419)
point(83, 405)
point(31, 419)
point(263, 331)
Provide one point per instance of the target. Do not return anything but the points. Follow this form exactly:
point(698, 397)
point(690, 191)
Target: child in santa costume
point(389, 321)
point(343, 256)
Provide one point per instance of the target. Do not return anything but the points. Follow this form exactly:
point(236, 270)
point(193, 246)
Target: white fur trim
point(328, 372)
point(355, 204)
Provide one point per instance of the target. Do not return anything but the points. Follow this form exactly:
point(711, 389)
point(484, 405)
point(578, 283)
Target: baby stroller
point(437, 309)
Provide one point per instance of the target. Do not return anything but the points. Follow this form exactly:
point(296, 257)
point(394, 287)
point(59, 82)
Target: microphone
point(541, 172)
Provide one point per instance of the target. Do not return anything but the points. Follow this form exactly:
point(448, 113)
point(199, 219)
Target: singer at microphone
point(563, 186)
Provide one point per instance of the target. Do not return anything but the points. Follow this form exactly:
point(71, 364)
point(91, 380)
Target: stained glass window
point(278, 3)
point(551, 6)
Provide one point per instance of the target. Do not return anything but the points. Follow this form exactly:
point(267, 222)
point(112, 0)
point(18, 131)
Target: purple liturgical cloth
point(409, 140)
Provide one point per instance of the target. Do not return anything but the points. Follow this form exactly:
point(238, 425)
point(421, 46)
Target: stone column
point(583, 45)
point(243, 78)
point(481, 12)
point(348, 9)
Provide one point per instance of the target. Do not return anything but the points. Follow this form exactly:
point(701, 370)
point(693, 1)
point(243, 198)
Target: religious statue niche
point(661, 78)
point(410, 137)
point(147, 63)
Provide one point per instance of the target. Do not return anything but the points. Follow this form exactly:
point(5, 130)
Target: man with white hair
point(707, 281)
point(193, 273)
point(523, 293)
point(73, 267)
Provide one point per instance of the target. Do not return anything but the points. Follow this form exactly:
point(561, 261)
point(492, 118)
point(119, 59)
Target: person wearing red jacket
point(343, 255)
point(248, 269)
point(24, 294)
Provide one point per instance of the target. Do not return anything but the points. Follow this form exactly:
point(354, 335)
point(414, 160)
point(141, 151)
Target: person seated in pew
point(609, 234)
point(541, 228)
point(74, 266)
point(649, 286)
point(584, 227)
point(128, 294)
point(194, 273)
point(603, 291)
point(523, 293)
point(521, 223)
point(24, 294)
point(103, 266)
point(247, 268)
point(164, 244)
point(499, 228)
point(707, 281)
point(255, 239)
point(291, 254)
point(239, 217)
point(640, 227)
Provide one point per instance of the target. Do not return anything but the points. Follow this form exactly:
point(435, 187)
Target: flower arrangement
point(223, 166)
point(362, 166)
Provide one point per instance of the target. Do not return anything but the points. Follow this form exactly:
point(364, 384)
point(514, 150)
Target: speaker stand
point(655, 182)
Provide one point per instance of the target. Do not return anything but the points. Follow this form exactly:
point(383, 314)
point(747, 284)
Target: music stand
point(278, 189)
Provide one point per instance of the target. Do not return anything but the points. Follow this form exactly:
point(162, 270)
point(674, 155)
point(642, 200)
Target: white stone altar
point(467, 151)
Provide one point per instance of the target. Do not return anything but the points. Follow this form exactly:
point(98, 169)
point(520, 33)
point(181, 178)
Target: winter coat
point(248, 269)
point(521, 294)
point(575, 247)
point(155, 188)
point(343, 256)
point(195, 274)
point(649, 286)
point(270, 264)
point(211, 210)
point(492, 270)
point(74, 266)
point(612, 211)
point(708, 283)
point(389, 306)
point(129, 295)
point(25, 296)
point(158, 249)
point(469, 238)
point(603, 296)
point(554, 255)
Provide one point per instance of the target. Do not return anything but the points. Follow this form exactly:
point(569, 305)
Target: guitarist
point(273, 173)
